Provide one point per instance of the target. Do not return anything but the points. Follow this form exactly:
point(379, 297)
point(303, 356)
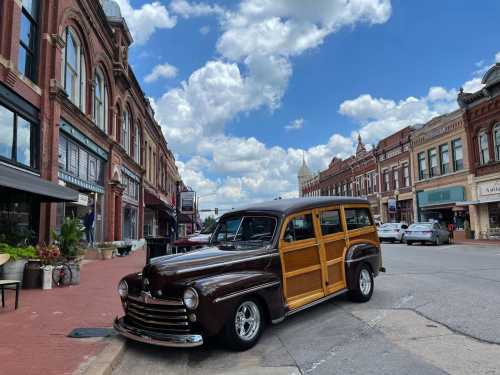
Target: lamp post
point(177, 208)
point(396, 195)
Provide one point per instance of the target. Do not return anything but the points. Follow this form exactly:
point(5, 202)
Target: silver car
point(392, 232)
point(432, 233)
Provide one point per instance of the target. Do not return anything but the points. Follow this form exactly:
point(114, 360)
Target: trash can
point(156, 247)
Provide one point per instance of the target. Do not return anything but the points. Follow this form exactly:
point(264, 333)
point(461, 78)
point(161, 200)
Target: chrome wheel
point(365, 282)
point(247, 320)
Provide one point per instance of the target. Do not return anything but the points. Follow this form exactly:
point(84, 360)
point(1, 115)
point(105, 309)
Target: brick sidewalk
point(33, 338)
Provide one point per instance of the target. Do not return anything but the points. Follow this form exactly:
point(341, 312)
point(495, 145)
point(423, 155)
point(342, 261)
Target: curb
point(108, 359)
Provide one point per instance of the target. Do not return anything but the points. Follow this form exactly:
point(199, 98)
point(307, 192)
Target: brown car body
point(281, 277)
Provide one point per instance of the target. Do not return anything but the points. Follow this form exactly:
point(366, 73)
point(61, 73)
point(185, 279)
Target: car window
point(228, 228)
point(299, 228)
point(256, 228)
point(330, 222)
point(420, 226)
point(357, 218)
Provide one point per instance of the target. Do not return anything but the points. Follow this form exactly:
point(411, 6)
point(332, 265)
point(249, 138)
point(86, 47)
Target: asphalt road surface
point(435, 311)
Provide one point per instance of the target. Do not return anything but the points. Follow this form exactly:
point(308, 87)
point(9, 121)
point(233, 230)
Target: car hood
point(199, 262)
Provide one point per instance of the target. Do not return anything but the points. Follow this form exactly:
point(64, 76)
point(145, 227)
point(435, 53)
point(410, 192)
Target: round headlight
point(123, 289)
point(190, 298)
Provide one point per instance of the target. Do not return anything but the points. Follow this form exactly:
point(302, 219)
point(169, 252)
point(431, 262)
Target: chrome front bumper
point(149, 337)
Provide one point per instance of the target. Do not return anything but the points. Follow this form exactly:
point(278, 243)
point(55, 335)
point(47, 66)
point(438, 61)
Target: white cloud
point(204, 30)
point(473, 85)
point(161, 71)
point(144, 21)
point(296, 124)
point(188, 10)
point(497, 57)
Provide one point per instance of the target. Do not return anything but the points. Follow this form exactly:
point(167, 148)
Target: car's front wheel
point(363, 289)
point(244, 329)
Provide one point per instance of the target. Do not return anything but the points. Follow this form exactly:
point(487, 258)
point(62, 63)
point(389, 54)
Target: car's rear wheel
point(244, 329)
point(363, 288)
point(408, 243)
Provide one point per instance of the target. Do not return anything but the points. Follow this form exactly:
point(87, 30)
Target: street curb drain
point(108, 359)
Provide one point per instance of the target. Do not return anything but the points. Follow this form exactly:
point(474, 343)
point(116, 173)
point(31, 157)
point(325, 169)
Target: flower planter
point(75, 272)
point(107, 252)
point(47, 277)
point(32, 278)
point(14, 270)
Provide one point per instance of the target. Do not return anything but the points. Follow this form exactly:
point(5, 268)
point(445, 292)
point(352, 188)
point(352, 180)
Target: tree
point(208, 222)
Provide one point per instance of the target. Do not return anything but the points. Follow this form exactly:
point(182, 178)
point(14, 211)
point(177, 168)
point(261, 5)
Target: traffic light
point(216, 211)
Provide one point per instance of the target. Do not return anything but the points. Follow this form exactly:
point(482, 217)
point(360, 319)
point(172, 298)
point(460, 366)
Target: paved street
point(436, 311)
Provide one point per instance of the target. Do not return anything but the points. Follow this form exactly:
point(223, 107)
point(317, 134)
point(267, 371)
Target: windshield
point(242, 232)
point(209, 228)
point(420, 226)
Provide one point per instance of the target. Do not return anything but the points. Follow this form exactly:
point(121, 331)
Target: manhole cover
point(80, 333)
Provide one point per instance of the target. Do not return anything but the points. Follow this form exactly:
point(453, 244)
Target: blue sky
point(251, 85)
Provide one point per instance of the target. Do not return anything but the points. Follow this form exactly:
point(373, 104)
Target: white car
point(392, 232)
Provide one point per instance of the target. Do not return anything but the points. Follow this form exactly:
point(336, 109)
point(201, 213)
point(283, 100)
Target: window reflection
point(6, 132)
point(23, 150)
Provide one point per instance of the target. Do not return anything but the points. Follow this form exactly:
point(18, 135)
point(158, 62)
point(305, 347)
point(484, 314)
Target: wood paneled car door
point(332, 237)
point(301, 260)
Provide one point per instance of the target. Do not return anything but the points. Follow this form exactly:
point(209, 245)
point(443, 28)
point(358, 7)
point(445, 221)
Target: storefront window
point(19, 219)
point(484, 153)
point(496, 138)
point(458, 155)
point(444, 158)
point(422, 168)
point(129, 222)
point(433, 163)
point(79, 162)
point(17, 138)
point(494, 215)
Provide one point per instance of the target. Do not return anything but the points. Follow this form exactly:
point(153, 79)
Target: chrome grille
point(164, 315)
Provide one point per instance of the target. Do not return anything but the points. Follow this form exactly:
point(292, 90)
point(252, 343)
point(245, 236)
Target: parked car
point(432, 233)
point(264, 263)
point(392, 232)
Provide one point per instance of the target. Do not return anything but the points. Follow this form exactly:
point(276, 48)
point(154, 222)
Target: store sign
point(187, 202)
point(391, 205)
point(83, 200)
point(487, 189)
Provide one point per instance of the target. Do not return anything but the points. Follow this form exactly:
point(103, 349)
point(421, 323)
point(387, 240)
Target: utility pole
point(177, 208)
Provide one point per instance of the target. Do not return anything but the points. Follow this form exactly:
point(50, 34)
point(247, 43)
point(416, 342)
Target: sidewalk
point(478, 242)
point(33, 338)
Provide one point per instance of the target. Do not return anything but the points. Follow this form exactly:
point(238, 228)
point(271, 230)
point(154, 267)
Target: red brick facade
point(103, 41)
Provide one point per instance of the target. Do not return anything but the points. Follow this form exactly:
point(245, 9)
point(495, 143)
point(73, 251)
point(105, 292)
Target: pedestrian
point(451, 227)
point(467, 228)
point(88, 223)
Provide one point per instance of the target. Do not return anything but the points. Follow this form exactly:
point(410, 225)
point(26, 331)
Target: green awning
point(12, 180)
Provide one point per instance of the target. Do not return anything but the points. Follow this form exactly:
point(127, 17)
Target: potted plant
point(107, 249)
point(19, 255)
point(48, 256)
point(67, 240)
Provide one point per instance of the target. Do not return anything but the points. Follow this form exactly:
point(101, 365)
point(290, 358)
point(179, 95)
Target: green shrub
point(70, 234)
point(17, 253)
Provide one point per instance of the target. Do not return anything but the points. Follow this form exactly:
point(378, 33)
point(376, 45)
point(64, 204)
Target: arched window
point(137, 145)
point(101, 101)
point(73, 69)
point(496, 139)
point(484, 153)
point(125, 139)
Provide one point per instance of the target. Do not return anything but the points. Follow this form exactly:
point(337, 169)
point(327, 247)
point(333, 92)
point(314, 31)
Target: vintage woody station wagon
point(264, 262)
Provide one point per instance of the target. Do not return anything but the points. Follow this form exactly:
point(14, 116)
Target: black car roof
point(287, 206)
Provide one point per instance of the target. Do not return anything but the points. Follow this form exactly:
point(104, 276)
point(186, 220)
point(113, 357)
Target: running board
point(310, 304)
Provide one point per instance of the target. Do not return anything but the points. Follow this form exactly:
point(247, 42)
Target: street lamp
point(396, 195)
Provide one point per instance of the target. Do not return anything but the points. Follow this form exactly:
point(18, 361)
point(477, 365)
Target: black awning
point(47, 191)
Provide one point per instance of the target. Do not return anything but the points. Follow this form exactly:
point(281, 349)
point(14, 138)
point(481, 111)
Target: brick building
point(482, 123)
point(75, 115)
point(440, 173)
point(395, 180)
